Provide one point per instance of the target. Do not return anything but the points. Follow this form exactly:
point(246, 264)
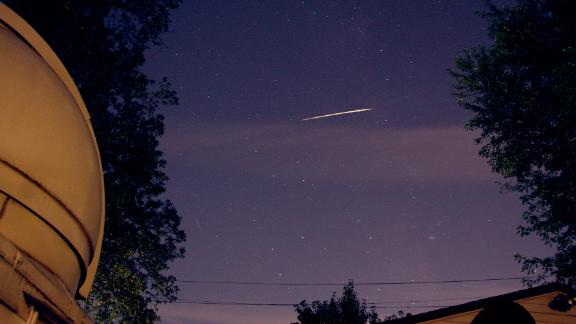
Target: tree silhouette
point(347, 309)
point(522, 92)
point(102, 44)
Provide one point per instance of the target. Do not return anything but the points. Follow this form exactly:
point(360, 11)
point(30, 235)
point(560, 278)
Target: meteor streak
point(337, 114)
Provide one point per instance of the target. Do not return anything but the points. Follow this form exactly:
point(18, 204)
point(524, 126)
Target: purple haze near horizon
point(397, 193)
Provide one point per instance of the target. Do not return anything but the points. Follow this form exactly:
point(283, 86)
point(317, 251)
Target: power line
point(230, 303)
point(225, 303)
point(209, 302)
point(374, 304)
point(384, 283)
point(411, 303)
point(426, 300)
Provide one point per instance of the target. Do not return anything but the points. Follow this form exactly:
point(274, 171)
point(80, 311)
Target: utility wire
point(186, 301)
point(410, 302)
point(224, 303)
point(384, 283)
point(375, 304)
point(425, 300)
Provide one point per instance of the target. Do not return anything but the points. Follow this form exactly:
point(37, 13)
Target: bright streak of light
point(337, 114)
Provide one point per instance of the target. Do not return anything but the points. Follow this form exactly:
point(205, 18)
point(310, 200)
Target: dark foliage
point(102, 44)
point(561, 303)
point(347, 309)
point(522, 92)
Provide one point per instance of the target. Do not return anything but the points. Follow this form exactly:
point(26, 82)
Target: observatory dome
point(51, 185)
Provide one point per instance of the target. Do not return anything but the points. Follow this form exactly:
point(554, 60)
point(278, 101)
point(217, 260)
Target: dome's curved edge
point(21, 28)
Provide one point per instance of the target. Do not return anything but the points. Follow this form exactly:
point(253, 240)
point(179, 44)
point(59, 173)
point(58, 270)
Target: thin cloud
point(331, 154)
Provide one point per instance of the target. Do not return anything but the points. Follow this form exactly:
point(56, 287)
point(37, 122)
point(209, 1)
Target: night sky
point(397, 193)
